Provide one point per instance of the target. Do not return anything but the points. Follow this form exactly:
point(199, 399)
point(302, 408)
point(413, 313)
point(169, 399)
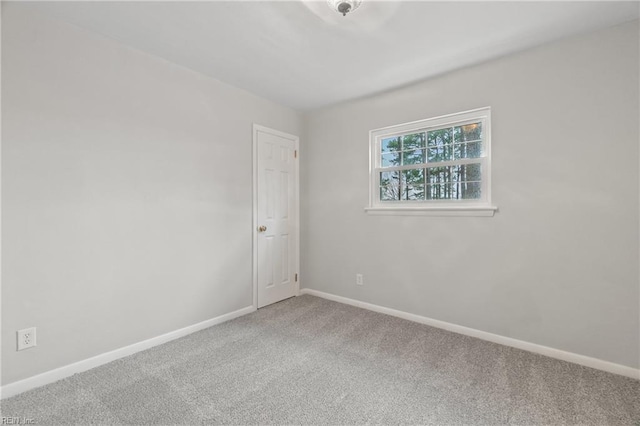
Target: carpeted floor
point(307, 360)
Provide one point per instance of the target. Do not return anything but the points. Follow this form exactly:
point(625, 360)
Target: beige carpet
point(311, 361)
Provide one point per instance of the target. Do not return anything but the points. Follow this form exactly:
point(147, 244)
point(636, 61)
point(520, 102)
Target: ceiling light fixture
point(344, 6)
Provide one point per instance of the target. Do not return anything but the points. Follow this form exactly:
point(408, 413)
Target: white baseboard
point(598, 364)
point(51, 376)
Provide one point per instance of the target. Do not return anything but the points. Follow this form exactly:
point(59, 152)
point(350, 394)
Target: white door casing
point(275, 216)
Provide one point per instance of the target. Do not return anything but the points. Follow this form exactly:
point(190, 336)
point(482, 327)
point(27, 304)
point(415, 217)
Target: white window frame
point(479, 207)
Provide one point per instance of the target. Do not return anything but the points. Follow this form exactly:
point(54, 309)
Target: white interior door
point(275, 216)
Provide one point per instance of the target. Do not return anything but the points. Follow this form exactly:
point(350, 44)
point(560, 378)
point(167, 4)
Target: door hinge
point(296, 277)
point(295, 153)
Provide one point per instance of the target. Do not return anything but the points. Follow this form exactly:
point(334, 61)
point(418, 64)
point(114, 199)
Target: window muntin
point(441, 161)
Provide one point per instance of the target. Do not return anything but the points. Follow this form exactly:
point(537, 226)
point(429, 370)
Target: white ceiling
point(304, 55)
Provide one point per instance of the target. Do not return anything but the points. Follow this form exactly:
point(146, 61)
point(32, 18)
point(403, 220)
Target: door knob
point(262, 228)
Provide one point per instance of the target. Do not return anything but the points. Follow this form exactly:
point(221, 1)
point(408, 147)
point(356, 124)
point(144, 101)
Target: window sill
point(486, 211)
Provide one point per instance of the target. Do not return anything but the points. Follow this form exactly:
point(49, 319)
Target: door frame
point(296, 207)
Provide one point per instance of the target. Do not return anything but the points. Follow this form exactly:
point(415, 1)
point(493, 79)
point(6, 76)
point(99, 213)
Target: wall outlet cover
point(26, 338)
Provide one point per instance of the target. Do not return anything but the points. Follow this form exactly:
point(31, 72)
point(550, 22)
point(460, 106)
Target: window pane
point(390, 159)
point(471, 172)
point(390, 186)
point(442, 192)
point(417, 140)
point(440, 153)
point(439, 137)
point(468, 132)
point(438, 175)
point(390, 144)
point(468, 150)
point(434, 192)
point(413, 157)
point(413, 184)
point(440, 145)
point(470, 190)
point(454, 191)
point(434, 155)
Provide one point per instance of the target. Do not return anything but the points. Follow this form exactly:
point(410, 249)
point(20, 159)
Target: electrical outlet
point(359, 279)
point(26, 338)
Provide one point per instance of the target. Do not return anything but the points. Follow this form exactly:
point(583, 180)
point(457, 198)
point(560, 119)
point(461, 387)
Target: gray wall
point(126, 193)
point(558, 265)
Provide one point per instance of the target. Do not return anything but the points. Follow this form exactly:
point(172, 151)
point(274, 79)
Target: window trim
point(480, 207)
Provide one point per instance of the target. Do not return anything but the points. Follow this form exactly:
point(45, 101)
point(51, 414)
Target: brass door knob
point(262, 228)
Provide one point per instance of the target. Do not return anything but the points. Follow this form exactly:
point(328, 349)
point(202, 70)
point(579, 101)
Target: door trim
point(296, 206)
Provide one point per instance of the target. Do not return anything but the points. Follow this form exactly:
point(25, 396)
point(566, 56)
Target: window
point(436, 166)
